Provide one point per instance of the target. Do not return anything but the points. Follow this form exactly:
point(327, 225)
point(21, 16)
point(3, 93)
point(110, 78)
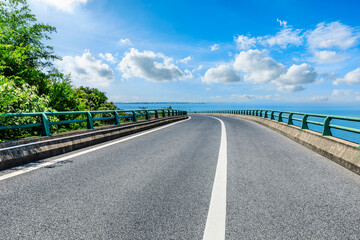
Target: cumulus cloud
point(326, 57)
point(332, 35)
point(108, 57)
point(87, 70)
point(185, 60)
point(125, 42)
point(214, 47)
point(63, 5)
point(295, 77)
point(149, 65)
point(258, 66)
point(350, 78)
point(298, 74)
point(244, 42)
point(287, 36)
point(221, 74)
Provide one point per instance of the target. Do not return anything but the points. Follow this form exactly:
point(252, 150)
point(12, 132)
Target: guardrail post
point(260, 113)
point(90, 124)
point(304, 124)
point(163, 113)
point(156, 114)
point(280, 117)
point(134, 118)
point(290, 121)
point(326, 128)
point(266, 116)
point(117, 119)
point(272, 117)
point(172, 112)
point(168, 113)
point(147, 117)
point(45, 129)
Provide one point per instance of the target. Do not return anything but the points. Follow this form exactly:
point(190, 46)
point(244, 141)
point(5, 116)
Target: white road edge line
point(216, 219)
point(45, 164)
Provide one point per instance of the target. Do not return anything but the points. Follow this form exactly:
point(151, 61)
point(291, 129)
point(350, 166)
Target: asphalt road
point(160, 186)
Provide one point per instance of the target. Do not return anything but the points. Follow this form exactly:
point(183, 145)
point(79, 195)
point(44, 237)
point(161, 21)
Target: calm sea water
point(353, 111)
point(338, 110)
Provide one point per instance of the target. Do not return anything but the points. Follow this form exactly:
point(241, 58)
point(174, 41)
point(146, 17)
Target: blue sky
point(210, 51)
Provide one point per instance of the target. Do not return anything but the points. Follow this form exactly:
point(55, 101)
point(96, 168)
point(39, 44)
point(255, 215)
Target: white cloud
point(200, 67)
point(258, 66)
point(332, 35)
point(347, 95)
point(244, 42)
point(282, 23)
point(221, 74)
point(214, 47)
point(326, 57)
point(188, 74)
point(149, 65)
point(186, 60)
point(250, 97)
point(290, 88)
point(207, 89)
point(298, 74)
point(108, 57)
point(87, 71)
point(285, 37)
point(319, 99)
point(342, 92)
point(125, 42)
point(63, 5)
point(350, 78)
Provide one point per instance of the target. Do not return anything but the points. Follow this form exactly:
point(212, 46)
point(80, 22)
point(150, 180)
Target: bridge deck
point(159, 186)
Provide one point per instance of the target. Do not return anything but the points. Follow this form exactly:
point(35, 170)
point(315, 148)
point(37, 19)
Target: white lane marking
point(41, 165)
point(216, 219)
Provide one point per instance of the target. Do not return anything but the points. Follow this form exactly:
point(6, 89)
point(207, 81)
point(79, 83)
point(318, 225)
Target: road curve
point(160, 185)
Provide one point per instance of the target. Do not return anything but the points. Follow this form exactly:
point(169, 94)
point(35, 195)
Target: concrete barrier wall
point(343, 152)
point(23, 151)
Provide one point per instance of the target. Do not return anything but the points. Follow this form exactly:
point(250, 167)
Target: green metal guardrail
point(302, 118)
point(117, 115)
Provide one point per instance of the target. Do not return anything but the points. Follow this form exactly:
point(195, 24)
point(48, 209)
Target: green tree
point(92, 97)
point(24, 57)
point(29, 82)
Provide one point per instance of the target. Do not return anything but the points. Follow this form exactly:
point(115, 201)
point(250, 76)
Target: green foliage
point(20, 99)
point(92, 98)
point(63, 97)
point(29, 82)
point(23, 55)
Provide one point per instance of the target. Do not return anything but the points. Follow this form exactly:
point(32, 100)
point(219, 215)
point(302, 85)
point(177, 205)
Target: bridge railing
point(89, 118)
point(325, 123)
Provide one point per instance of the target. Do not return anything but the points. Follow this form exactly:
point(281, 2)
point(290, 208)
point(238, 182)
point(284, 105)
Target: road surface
point(204, 178)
